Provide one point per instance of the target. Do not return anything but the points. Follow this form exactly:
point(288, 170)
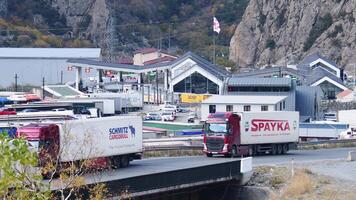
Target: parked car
point(191, 117)
point(29, 110)
point(7, 111)
point(153, 116)
point(331, 116)
point(168, 116)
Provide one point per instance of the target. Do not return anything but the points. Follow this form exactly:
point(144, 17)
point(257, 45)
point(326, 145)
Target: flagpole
point(213, 47)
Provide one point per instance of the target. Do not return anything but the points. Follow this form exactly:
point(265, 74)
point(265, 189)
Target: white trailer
point(347, 117)
point(116, 140)
point(100, 137)
point(269, 127)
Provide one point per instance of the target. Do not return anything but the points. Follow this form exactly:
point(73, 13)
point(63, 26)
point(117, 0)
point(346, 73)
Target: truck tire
point(209, 155)
point(252, 151)
point(274, 149)
point(279, 149)
point(124, 161)
point(234, 151)
point(115, 162)
point(285, 148)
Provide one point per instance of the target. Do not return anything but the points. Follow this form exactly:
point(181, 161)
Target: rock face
point(284, 31)
point(88, 17)
point(3, 8)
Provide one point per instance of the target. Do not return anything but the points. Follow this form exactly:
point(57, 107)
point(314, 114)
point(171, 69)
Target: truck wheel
point(274, 149)
point(279, 149)
point(252, 150)
point(285, 148)
point(234, 151)
point(209, 155)
point(115, 162)
point(124, 161)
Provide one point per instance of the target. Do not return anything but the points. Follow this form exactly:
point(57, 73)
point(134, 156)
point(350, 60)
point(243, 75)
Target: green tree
point(19, 178)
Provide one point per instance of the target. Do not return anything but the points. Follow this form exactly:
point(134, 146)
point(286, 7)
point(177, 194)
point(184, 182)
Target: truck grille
point(215, 144)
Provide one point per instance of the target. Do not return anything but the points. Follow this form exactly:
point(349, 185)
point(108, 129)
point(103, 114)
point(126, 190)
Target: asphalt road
point(301, 156)
point(155, 165)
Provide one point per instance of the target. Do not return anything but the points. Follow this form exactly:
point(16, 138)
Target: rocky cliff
point(284, 31)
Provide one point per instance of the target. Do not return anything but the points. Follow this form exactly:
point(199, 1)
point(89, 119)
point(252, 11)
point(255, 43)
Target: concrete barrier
point(351, 156)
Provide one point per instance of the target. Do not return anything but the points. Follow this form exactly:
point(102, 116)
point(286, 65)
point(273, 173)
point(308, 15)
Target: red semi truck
point(250, 133)
point(107, 141)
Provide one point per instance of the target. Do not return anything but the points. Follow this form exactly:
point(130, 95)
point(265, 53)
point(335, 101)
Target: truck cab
point(222, 134)
point(44, 138)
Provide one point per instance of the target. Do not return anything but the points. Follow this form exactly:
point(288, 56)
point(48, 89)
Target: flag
point(216, 25)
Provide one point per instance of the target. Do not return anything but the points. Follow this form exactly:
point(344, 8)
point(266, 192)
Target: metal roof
point(50, 53)
point(237, 99)
point(276, 82)
point(62, 90)
point(203, 63)
point(268, 71)
point(317, 74)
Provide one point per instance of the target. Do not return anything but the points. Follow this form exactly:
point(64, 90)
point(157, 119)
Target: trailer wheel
point(209, 155)
point(274, 149)
point(124, 161)
point(285, 148)
point(280, 149)
point(252, 150)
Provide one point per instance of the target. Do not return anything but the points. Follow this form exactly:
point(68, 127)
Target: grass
point(172, 153)
point(301, 183)
point(327, 145)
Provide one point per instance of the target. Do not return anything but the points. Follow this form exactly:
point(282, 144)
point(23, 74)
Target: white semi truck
point(107, 141)
point(250, 133)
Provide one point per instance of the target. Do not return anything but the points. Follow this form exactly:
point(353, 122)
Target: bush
point(321, 25)
point(338, 29)
point(281, 18)
point(271, 44)
point(300, 184)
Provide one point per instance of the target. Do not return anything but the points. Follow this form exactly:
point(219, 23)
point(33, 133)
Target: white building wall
point(237, 108)
point(31, 71)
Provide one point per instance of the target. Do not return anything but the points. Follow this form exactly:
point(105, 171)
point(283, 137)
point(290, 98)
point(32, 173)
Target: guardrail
point(193, 143)
point(325, 142)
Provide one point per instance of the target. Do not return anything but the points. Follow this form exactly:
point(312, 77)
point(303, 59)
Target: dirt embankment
point(283, 182)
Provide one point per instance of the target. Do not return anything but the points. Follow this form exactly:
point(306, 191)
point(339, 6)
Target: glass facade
point(197, 84)
point(330, 90)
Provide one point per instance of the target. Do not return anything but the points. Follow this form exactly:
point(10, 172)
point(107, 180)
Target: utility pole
point(169, 36)
point(61, 77)
point(157, 86)
point(43, 89)
point(16, 77)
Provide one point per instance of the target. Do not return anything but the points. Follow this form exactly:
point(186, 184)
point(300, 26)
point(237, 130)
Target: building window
point(212, 108)
point(280, 105)
point(284, 105)
point(247, 108)
point(229, 108)
point(264, 108)
point(331, 95)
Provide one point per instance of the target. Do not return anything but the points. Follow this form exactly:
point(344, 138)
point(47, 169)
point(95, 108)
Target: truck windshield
point(216, 128)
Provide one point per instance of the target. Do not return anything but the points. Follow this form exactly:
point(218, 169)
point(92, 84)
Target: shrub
point(271, 44)
point(281, 18)
point(338, 29)
point(300, 184)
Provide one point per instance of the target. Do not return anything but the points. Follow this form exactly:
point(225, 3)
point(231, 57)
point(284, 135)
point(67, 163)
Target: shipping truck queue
point(112, 142)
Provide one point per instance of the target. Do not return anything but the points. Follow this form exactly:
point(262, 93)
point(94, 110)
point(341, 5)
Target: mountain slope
point(284, 31)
